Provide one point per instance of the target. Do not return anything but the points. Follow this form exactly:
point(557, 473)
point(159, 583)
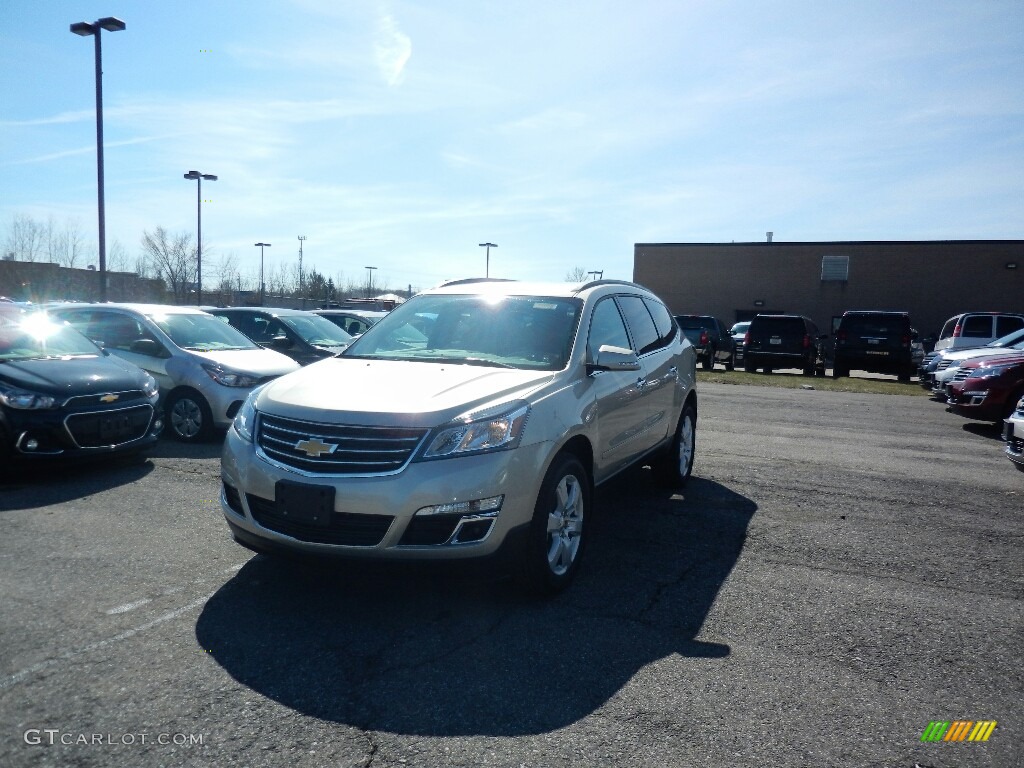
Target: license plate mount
point(304, 503)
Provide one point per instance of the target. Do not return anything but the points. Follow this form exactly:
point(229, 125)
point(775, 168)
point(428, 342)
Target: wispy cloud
point(392, 50)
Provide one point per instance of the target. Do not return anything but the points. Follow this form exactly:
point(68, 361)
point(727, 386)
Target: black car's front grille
point(106, 428)
point(336, 449)
point(105, 398)
point(346, 528)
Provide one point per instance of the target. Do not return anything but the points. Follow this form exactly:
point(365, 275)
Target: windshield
point(505, 331)
point(316, 330)
point(201, 333)
point(34, 336)
point(1010, 339)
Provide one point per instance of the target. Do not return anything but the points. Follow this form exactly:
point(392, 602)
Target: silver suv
point(474, 420)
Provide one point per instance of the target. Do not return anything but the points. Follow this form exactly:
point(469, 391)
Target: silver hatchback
point(205, 368)
point(474, 420)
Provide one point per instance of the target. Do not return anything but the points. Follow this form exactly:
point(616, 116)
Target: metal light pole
point(302, 239)
point(84, 28)
point(488, 246)
point(198, 177)
point(261, 246)
point(369, 282)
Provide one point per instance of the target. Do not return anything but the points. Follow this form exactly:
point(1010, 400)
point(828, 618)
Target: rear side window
point(641, 325)
point(1008, 324)
point(662, 320)
point(977, 327)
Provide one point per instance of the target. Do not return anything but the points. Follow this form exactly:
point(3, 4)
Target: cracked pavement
point(841, 570)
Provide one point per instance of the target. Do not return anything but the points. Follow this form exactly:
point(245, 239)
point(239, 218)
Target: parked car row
point(979, 376)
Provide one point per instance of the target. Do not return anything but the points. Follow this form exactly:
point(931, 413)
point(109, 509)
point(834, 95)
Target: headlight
point(24, 400)
point(229, 378)
point(495, 430)
point(150, 387)
point(991, 371)
point(245, 420)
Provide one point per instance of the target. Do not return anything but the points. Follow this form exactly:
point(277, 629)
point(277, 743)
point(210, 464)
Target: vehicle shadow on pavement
point(28, 487)
point(986, 429)
point(449, 651)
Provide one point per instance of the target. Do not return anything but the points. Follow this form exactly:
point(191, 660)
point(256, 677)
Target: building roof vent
point(835, 269)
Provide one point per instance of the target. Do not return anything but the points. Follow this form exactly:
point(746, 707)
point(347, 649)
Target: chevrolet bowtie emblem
point(315, 448)
point(109, 398)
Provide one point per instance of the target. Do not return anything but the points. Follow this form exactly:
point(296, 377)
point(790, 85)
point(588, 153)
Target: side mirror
point(147, 347)
point(611, 358)
point(280, 342)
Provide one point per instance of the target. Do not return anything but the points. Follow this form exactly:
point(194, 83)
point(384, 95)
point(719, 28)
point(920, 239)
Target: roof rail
point(470, 280)
point(609, 281)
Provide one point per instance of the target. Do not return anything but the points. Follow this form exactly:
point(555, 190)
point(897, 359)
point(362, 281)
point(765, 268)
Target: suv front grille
point(346, 528)
point(336, 449)
point(943, 365)
point(962, 374)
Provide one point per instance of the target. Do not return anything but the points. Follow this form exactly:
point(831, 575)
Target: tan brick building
point(932, 280)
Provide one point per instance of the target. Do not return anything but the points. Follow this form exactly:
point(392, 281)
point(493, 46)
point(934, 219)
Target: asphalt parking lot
point(842, 570)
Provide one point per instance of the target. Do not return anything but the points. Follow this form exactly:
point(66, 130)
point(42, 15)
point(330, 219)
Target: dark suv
point(784, 341)
point(877, 342)
point(710, 338)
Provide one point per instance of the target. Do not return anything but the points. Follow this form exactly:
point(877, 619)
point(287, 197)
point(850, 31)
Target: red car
point(987, 388)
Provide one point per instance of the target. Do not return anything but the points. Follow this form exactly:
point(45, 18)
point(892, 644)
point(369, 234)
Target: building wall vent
point(835, 268)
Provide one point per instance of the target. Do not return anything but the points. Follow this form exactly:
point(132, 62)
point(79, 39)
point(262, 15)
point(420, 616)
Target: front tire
point(557, 532)
point(189, 418)
point(673, 469)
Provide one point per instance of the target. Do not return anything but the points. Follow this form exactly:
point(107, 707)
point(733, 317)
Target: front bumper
point(1013, 434)
point(375, 517)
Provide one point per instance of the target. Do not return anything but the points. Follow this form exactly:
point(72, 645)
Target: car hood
point(385, 392)
point(258, 362)
point(71, 376)
point(978, 352)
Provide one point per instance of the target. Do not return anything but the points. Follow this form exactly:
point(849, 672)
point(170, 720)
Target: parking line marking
point(128, 606)
point(19, 676)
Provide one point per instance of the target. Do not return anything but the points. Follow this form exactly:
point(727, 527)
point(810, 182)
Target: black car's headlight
point(26, 400)
point(496, 429)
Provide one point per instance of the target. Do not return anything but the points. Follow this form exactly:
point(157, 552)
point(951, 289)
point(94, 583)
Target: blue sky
point(402, 134)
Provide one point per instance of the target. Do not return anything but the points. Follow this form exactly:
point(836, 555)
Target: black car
point(63, 397)
point(710, 338)
point(874, 341)
point(303, 336)
point(784, 341)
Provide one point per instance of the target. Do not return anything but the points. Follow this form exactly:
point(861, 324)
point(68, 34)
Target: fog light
point(31, 444)
point(475, 507)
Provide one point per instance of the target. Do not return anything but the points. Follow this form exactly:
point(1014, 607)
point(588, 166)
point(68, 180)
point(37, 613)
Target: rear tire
point(673, 468)
point(557, 537)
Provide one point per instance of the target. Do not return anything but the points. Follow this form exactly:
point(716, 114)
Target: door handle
point(641, 383)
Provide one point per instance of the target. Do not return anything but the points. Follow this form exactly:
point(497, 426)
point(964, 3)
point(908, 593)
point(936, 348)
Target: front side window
point(606, 328)
point(503, 331)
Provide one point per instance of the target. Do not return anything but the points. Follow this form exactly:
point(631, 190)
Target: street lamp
point(488, 246)
point(198, 178)
point(261, 246)
point(302, 239)
point(85, 29)
point(369, 282)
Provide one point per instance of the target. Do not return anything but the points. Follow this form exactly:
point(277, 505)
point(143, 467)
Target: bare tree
point(171, 258)
point(117, 258)
point(576, 275)
point(25, 238)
